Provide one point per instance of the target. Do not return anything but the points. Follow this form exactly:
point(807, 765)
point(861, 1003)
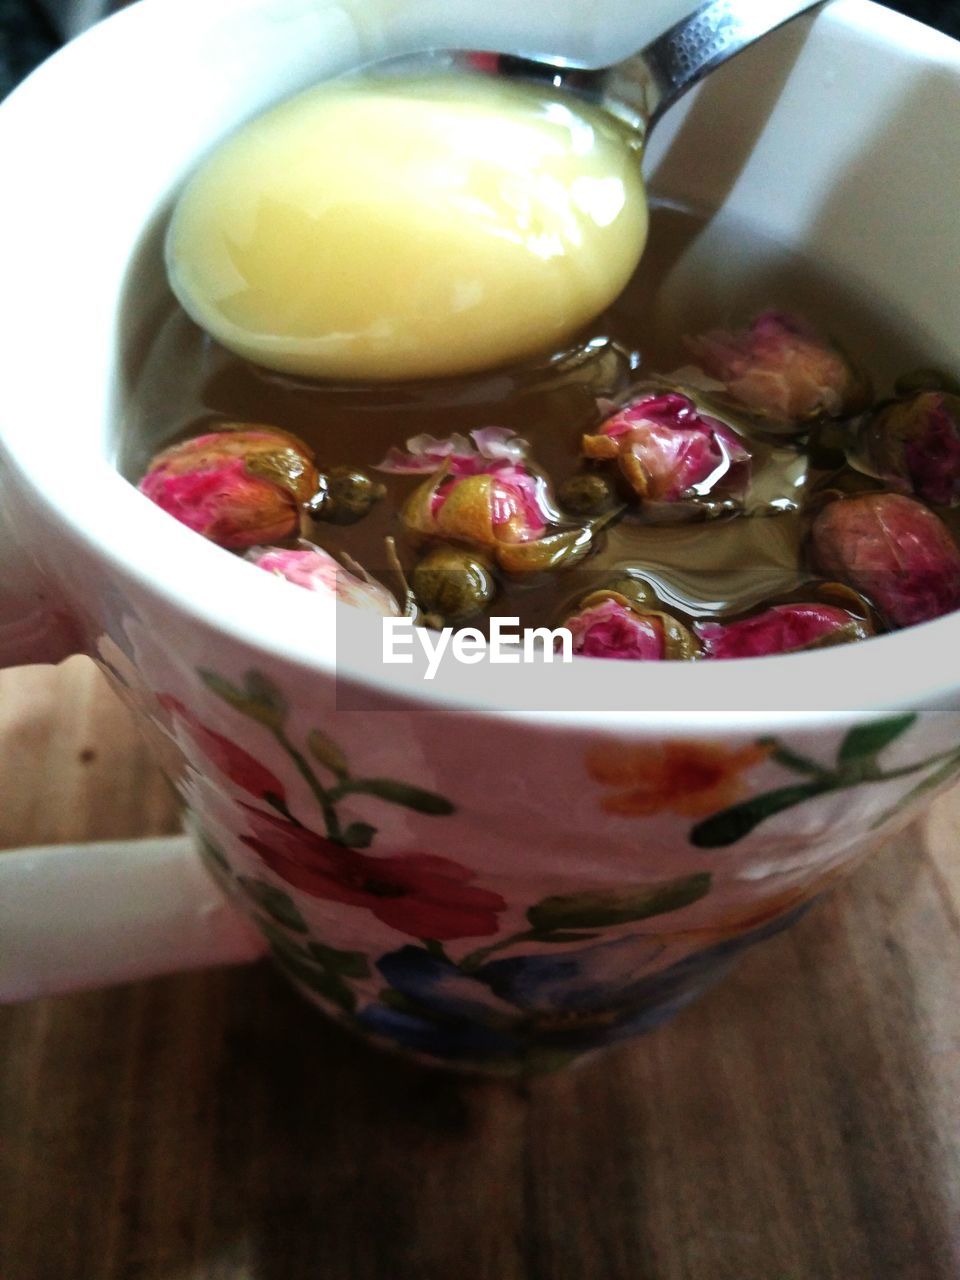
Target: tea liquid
point(698, 272)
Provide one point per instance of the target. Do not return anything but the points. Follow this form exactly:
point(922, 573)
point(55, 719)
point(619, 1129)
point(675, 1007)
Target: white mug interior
point(835, 136)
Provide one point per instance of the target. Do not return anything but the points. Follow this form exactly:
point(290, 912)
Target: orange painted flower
point(690, 778)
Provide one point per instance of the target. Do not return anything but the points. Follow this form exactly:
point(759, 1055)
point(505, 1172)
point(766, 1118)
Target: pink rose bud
point(236, 486)
point(668, 450)
point(314, 569)
point(490, 501)
point(611, 630)
point(784, 628)
point(461, 455)
point(610, 625)
point(913, 445)
point(893, 550)
point(781, 369)
point(481, 491)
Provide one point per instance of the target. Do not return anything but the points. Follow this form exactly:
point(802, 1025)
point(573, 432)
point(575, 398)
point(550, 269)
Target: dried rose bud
point(893, 550)
point(238, 486)
point(608, 624)
point(503, 510)
point(316, 570)
point(668, 450)
point(459, 455)
point(780, 369)
point(784, 628)
point(913, 445)
point(507, 504)
point(453, 584)
point(344, 495)
point(586, 494)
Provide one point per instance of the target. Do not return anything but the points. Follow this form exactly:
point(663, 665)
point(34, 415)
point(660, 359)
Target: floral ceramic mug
point(500, 869)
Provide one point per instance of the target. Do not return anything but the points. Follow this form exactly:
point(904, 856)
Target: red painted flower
point(419, 894)
point(238, 765)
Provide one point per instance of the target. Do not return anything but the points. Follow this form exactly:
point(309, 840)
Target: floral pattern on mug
point(557, 1004)
point(858, 763)
point(419, 894)
point(688, 778)
point(232, 760)
point(600, 958)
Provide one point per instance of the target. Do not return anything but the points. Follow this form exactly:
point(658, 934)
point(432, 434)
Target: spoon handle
point(683, 55)
point(716, 31)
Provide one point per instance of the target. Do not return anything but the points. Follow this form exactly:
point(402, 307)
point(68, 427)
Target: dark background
point(26, 37)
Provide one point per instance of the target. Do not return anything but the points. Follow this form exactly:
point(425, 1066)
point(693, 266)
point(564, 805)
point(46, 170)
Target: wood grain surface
point(801, 1123)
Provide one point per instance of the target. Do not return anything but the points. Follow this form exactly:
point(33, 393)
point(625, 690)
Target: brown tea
point(718, 555)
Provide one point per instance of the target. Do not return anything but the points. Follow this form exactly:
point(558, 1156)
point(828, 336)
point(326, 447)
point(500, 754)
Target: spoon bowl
point(314, 242)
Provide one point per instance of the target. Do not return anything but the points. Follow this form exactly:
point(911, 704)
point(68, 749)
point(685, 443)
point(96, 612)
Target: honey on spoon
point(433, 224)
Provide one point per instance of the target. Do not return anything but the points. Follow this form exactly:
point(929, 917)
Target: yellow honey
point(409, 228)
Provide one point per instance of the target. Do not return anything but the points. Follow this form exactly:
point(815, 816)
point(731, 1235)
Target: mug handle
point(89, 915)
point(78, 916)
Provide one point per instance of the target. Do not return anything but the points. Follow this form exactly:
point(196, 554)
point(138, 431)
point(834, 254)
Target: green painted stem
point(908, 769)
point(476, 958)
point(324, 798)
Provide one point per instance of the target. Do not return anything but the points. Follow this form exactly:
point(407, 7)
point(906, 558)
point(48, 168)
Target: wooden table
point(801, 1123)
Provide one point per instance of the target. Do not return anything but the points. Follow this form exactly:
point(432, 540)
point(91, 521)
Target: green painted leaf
point(564, 935)
point(791, 759)
point(279, 937)
point(946, 773)
point(358, 835)
point(400, 793)
point(212, 852)
point(604, 908)
point(259, 699)
point(326, 751)
point(265, 692)
point(730, 825)
point(351, 964)
point(324, 982)
point(869, 739)
point(277, 904)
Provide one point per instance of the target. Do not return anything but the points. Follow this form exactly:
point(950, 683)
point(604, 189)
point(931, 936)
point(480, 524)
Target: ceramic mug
point(498, 869)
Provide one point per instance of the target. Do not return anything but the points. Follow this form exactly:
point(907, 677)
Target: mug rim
point(223, 593)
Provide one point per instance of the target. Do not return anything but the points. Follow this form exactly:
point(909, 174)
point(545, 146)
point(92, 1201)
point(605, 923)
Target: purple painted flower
point(238, 486)
point(316, 570)
point(781, 369)
point(562, 1001)
point(913, 445)
point(784, 628)
point(893, 550)
point(668, 450)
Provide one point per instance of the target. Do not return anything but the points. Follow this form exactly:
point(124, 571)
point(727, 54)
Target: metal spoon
point(640, 88)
